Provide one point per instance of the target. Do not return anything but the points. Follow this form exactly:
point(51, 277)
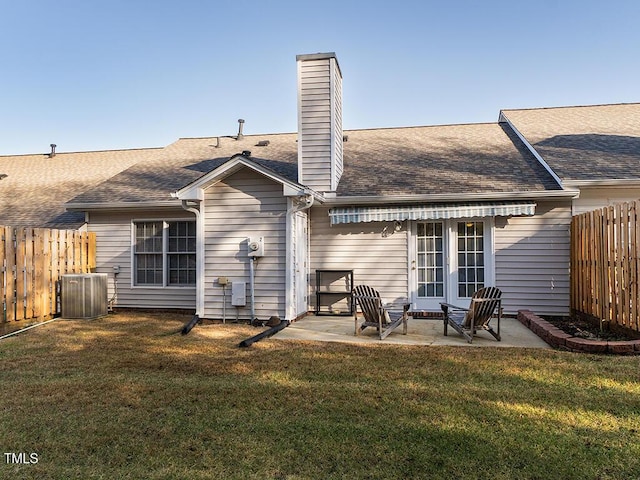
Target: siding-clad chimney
point(319, 121)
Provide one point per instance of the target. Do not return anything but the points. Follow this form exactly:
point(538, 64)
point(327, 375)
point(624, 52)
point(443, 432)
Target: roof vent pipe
point(53, 150)
point(240, 125)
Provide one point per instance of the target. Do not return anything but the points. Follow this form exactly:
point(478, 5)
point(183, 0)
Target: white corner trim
point(289, 266)
point(299, 84)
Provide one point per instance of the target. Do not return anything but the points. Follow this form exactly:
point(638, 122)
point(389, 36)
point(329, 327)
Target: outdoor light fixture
point(387, 231)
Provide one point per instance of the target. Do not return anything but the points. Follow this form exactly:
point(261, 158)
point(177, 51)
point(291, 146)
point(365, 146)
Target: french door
point(449, 260)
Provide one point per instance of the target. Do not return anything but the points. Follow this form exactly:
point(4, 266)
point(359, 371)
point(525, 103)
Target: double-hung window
point(165, 253)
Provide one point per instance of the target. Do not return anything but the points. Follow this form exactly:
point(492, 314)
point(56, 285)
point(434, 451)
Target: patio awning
point(432, 211)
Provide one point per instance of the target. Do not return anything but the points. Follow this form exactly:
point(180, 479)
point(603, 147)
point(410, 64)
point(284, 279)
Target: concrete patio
point(420, 332)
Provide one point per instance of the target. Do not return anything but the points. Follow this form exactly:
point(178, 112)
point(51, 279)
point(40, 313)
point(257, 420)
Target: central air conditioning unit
point(83, 295)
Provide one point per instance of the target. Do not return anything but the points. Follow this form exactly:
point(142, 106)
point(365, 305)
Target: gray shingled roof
point(186, 160)
point(392, 161)
point(37, 186)
point(599, 142)
point(450, 159)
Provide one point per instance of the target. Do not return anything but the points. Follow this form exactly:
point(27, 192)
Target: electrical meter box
point(238, 294)
point(255, 246)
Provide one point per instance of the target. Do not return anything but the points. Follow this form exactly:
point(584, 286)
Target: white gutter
point(503, 119)
point(122, 205)
point(200, 283)
point(611, 182)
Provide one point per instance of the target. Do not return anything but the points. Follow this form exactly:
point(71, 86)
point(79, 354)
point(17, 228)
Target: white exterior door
point(449, 260)
point(301, 240)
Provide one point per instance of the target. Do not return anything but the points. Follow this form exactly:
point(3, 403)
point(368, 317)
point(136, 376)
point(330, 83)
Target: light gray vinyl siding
point(320, 123)
point(337, 160)
point(114, 247)
point(377, 261)
point(532, 260)
point(594, 198)
point(245, 204)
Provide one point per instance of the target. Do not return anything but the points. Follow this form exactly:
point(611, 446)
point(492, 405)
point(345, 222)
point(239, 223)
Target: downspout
point(189, 207)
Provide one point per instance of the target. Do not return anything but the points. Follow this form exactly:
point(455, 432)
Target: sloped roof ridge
point(245, 135)
point(569, 106)
point(139, 149)
point(409, 127)
point(345, 130)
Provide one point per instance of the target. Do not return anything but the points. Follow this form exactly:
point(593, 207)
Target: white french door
point(449, 260)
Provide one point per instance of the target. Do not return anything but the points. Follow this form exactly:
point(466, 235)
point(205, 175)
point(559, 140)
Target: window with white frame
point(165, 253)
point(471, 253)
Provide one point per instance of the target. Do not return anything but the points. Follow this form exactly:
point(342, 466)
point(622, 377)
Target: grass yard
point(129, 397)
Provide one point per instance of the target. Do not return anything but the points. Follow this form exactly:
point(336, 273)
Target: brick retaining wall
point(558, 338)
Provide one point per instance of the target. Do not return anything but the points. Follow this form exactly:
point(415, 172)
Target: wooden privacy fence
point(32, 262)
point(605, 263)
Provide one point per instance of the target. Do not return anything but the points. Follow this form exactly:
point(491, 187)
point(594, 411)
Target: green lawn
point(129, 397)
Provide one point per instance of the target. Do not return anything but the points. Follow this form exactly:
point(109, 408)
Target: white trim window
point(164, 253)
point(471, 255)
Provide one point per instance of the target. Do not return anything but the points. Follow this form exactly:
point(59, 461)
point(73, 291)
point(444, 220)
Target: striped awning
point(432, 211)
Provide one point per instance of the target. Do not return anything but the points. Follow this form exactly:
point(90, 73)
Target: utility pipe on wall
point(251, 288)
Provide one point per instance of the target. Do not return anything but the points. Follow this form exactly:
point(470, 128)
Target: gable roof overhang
point(194, 190)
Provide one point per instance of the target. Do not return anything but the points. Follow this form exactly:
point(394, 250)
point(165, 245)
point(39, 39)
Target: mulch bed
point(585, 329)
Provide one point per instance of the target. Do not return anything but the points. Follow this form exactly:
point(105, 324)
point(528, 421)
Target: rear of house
point(422, 214)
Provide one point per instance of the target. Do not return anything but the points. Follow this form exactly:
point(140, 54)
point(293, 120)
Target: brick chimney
point(319, 121)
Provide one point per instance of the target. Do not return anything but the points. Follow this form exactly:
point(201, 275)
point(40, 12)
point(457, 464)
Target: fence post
point(3, 274)
point(626, 268)
point(633, 267)
point(21, 272)
point(10, 273)
point(92, 251)
point(77, 252)
point(572, 265)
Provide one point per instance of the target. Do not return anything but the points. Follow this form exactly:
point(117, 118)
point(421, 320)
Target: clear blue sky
point(110, 74)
